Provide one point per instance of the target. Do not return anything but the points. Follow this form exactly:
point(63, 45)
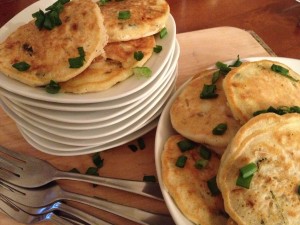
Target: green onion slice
point(21, 66)
point(220, 129)
point(97, 160)
point(244, 182)
point(224, 69)
point(141, 143)
point(124, 15)
point(248, 170)
point(215, 77)
point(157, 48)
point(149, 178)
point(77, 62)
point(186, 145)
point(208, 91)
point(237, 63)
point(139, 55)
point(181, 160)
point(163, 33)
point(204, 152)
point(92, 171)
point(142, 71)
point(213, 187)
point(201, 163)
point(282, 71)
point(52, 87)
point(133, 147)
point(74, 170)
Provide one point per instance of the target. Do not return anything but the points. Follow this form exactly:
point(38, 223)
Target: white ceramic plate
point(128, 87)
point(165, 130)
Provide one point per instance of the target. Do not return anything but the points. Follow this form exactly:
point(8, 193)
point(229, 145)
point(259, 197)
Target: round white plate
point(99, 118)
point(156, 63)
point(164, 131)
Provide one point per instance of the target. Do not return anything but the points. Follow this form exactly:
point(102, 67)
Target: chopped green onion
point(282, 71)
point(280, 110)
point(215, 77)
point(142, 71)
point(244, 182)
point(74, 170)
point(220, 129)
point(181, 160)
point(141, 143)
point(186, 145)
point(52, 87)
point(212, 186)
point(40, 18)
point(124, 15)
point(157, 48)
point(208, 91)
point(163, 33)
point(149, 178)
point(21, 66)
point(103, 2)
point(139, 55)
point(133, 147)
point(248, 170)
point(92, 171)
point(237, 63)
point(224, 69)
point(201, 163)
point(97, 160)
point(204, 152)
point(81, 52)
point(77, 62)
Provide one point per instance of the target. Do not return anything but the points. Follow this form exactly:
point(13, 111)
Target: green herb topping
point(92, 171)
point(77, 62)
point(133, 147)
point(103, 2)
point(21, 66)
point(149, 178)
point(163, 33)
point(74, 170)
point(139, 55)
point(186, 145)
point(246, 175)
point(181, 160)
point(142, 71)
point(280, 110)
point(220, 129)
point(52, 87)
point(213, 187)
point(201, 163)
point(244, 182)
point(124, 15)
point(157, 48)
point(97, 160)
point(282, 71)
point(204, 152)
point(141, 143)
point(50, 19)
point(208, 91)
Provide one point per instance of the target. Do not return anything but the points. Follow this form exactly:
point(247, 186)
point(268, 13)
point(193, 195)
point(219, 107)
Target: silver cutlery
point(20, 169)
point(51, 193)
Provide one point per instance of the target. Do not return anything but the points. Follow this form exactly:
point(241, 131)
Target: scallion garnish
point(186, 145)
point(248, 170)
point(224, 69)
point(52, 87)
point(124, 15)
point(139, 55)
point(208, 91)
point(92, 171)
point(215, 77)
point(149, 178)
point(163, 33)
point(77, 62)
point(157, 48)
point(237, 63)
point(212, 186)
point(97, 160)
point(204, 152)
point(181, 160)
point(74, 170)
point(142, 71)
point(133, 147)
point(244, 182)
point(21, 66)
point(141, 143)
point(201, 163)
point(220, 129)
point(282, 71)
point(280, 110)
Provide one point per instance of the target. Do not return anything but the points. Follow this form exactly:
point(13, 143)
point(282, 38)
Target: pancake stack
point(259, 103)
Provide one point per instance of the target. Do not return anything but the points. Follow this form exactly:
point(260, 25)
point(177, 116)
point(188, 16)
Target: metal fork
point(20, 169)
point(14, 212)
point(51, 193)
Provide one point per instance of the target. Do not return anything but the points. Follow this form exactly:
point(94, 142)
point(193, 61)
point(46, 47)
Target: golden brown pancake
point(48, 51)
point(272, 197)
point(118, 66)
point(147, 17)
point(254, 86)
point(195, 118)
point(188, 185)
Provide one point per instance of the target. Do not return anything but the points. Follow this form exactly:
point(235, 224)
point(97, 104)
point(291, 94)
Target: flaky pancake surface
point(118, 66)
point(47, 51)
point(272, 197)
point(147, 18)
point(254, 86)
point(188, 185)
point(195, 118)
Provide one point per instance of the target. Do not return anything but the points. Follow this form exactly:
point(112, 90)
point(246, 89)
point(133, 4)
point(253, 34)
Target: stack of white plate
point(71, 124)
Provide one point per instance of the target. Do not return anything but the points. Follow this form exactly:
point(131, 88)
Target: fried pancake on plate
point(147, 17)
point(195, 118)
point(272, 197)
point(188, 185)
point(48, 51)
point(118, 66)
point(254, 86)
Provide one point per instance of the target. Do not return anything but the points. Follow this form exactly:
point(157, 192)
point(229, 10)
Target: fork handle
point(148, 189)
point(57, 220)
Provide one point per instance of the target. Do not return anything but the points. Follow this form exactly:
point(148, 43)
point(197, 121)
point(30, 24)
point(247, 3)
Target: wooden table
point(274, 21)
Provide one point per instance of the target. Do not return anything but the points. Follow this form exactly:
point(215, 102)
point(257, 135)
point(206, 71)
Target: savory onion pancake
point(195, 118)
point(118, 66)
point(141, 18)
point(48, 51)
point(273, 194)
point(255, 86)
point(188, 185)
